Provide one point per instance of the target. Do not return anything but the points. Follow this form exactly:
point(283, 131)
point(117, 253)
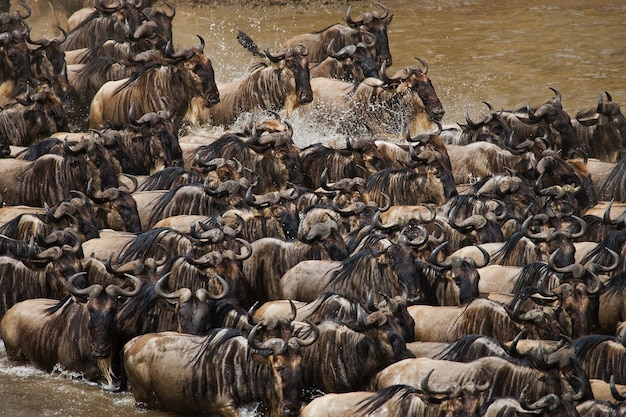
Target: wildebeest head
point(48, 62)
point(16, 20)
point(373, 24)
point(43, 111)
point(416, 80)
point(162, 22)
point(274, 344)
point(578, 293)
point(295, 65)
point(492, 128)
point(59, 262)
point(96, 160)
point(382, 345)
point(356, 61)
point(199, 69)
point(550, 239)
point(396, 308)
point(157, 129)
point(102, 308)
point(463, 271)
point(552, 114)
point(115, 208)
point(191, 308)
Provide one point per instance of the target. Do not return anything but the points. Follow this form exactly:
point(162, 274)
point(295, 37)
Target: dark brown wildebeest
point(602, 130)
point(352, 63)
point(80, 336)
point(280, 83)
point(179, 78)
point(40, 274)
point(33, 116)
point(222, 370)
point(387, 107)
point(51, 178)
point(360, 29)
point(348, 355)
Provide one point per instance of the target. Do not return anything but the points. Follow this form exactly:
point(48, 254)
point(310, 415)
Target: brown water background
point(506, 53)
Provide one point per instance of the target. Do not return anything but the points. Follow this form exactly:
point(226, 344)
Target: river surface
point(506, 53)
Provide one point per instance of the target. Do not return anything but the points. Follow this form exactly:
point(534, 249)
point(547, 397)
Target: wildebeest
point(351, 63)
point(602, 357)
point(271, 257)
point(602, 130)
point(39, 274)
point(553, 374)
point(479, 159)
point(359, 29)
point(156, 310)
point(50, 178)
point(222, 371)
point(80, 336)
point(281, 84)
point(268, 152)
point(361, 158)
point(492, 128)
point(384, 268)
point(480, 316)
point(387, 108)
point(549, 118)
point(180, 77)
point(393, 401)
point(348, 355)
point(33, 116)
point(48, 63)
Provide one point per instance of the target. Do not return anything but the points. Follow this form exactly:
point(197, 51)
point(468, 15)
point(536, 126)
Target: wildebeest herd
point(417, 270)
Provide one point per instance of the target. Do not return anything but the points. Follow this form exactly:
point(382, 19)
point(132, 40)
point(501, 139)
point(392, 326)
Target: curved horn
point(486, 257)
point(315, 334)
point(451, 391)
point(350, 21)
point(90, 291)
point(614, 392)
point(279, 56)
point(115, 290)
point(577, 270)
point(27, 10)
point(172, 12)
point(433, 257)
point(595, 267)
point(182, 294)
point(558, 94)
point(424, 65)
point(275, 345)
point(471, 123)
point(384, 9)
point(223, 284)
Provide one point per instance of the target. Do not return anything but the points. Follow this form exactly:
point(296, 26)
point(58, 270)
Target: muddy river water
point(506, 53)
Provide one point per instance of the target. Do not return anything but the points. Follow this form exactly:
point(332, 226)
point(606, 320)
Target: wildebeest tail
point(247, 42)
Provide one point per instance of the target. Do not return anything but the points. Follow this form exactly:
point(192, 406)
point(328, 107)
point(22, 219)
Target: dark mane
point(474, 346)
point(614, 241)
point(384, 395)
point(186, 199)
point(154, 243)
point(616, 285)
point(169, 177)
point(212, 343)
point(586, 343)
point(38, 149)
